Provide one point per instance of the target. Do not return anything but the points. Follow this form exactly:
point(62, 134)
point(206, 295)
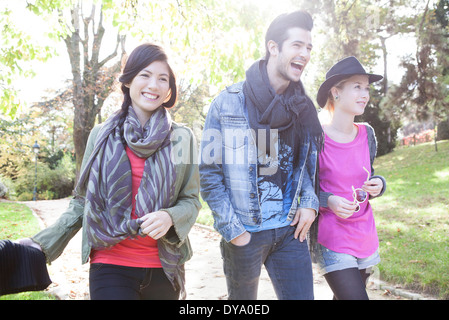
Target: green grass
point(31, 295)
point(17, 221)
point(205, 216)
point(412, 217)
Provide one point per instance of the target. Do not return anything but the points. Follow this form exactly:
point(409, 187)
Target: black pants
point(348, 284)
point(113, 282)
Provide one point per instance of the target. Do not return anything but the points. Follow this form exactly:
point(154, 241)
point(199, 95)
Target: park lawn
point(205, 215)
point(17, 221)
point(412, 217)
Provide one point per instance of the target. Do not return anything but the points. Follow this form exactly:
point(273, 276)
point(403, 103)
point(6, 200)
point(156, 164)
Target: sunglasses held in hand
point(360, 195)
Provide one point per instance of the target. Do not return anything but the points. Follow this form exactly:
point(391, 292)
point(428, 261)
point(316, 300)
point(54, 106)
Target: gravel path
point(204, 273)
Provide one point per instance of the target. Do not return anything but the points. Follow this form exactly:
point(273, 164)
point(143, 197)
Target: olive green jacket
point(55, 238)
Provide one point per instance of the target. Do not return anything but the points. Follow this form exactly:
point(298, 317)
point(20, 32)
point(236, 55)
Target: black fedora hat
point(344, 68)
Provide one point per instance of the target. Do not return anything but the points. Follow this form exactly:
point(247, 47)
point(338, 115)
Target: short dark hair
point(141, 57)
point(277, 31)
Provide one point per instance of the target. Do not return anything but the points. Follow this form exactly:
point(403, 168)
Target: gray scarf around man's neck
point(292, 113)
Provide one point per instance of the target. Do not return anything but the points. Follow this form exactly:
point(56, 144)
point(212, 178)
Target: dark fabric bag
point(22, 268)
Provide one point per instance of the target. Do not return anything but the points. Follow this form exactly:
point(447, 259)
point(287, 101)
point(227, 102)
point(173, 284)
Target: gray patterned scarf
point(106, 179)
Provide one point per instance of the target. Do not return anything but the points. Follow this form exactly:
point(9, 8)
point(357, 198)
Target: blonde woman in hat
point(346, 242)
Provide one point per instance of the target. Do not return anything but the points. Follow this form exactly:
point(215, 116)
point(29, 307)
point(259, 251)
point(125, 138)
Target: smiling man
point(289, 58)
point(264, 205)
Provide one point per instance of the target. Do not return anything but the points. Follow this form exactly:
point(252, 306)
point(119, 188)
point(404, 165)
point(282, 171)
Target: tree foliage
point(82, 30)
point(16, 139)
point(202, 36)
point(17, 49)
point(49, 124)
point(423, 93)
point(211, 43)
point(360, 29)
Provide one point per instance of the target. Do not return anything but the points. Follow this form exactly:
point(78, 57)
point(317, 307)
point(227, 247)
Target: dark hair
point(141, 57)
point(277, 31)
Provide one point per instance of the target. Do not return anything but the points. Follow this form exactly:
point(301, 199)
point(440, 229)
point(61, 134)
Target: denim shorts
point(329, 260)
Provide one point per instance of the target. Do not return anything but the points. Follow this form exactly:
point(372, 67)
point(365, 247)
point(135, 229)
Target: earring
point(336, 97)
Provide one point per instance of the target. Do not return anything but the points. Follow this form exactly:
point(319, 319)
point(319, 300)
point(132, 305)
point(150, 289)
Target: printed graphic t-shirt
point(275, 192)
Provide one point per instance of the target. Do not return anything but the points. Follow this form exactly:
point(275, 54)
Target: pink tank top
point(341, 167)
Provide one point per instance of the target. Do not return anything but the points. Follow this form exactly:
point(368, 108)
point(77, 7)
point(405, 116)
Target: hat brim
point(323, 91)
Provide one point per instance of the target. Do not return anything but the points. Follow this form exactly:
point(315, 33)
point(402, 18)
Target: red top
point(140, 252)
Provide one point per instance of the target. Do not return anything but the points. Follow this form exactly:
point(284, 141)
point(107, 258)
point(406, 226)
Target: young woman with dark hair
point(134, 199)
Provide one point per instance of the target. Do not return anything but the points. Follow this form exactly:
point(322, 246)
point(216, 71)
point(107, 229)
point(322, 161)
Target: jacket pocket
point(235, 132)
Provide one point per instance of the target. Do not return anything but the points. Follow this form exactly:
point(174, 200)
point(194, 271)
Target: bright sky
point(48, 75)
point(57, 70)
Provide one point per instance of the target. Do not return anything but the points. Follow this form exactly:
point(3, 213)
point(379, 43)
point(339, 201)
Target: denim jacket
point(229, 167)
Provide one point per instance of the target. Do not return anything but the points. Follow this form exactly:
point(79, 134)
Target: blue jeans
point(286, 259)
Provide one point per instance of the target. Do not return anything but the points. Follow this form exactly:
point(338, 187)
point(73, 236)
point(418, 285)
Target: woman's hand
point(341, 206)
point(156, 224)
point(373, 187)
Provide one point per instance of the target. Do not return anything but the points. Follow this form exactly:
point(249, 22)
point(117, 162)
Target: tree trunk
point(435, 135)
point(384, 55)
point(92, 80)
